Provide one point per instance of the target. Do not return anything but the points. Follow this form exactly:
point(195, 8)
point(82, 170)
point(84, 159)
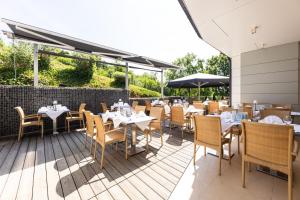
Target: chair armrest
point(114, 130)
point(70, 113)
point(295, 148)
point(38, 116)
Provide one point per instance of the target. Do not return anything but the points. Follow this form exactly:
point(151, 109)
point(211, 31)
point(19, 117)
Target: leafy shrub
point(136, 91)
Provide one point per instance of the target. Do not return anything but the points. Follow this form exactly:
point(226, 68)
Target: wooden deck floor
point(60, 167)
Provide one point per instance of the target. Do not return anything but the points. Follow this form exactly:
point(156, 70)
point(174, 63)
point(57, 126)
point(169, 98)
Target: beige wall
point(269, 75)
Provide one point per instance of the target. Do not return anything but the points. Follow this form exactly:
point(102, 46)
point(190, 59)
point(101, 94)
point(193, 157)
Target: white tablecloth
point(53, 114)
point(141, 120)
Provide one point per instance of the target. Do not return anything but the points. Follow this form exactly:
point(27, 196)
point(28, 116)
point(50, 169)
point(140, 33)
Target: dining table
point(131, 123)
point(53, 112)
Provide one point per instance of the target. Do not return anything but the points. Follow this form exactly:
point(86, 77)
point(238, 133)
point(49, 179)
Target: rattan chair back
point(213, 107)
point(177, 115)
point(249, 111)
point(282, 113)
point(103, 107)
point(271, 143)
point(208, 130)
point(89, 123)
point(100, 130)
point(134, 103)
point(157, 113)
point(139, 108)
point(148, 105)
point(282, 106)
point(198, 105)
point(81, 109)
point(21, 113)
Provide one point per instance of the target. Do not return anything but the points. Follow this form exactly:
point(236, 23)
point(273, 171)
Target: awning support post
point(126, 76)
point(162, 84)
point(35, 66)
point(199, 87)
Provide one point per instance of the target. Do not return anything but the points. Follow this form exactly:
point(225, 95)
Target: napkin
point(272, 119)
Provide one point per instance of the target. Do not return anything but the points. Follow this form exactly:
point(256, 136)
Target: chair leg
point(161, 137)
point(117, 146)
point(220, 159)
point(83, 123)
point(249, 167)
point(126, 149)
point(204, 151)
point(290, 189)
point(182, 131)
point(65, 125)
point(85, 141)
point(20, 133)
point(91, 145)
point(102, 156)
point(68, 126)
point(238, 139)
point(170, 127)
point(243, 173)
point(147, 145)
point(95, 149)
point(194, 153)
point(42, 130)
point(80, 123)
point(229, 151)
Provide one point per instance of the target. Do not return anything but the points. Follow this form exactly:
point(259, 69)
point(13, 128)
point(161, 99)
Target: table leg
point(55, 127)
point(134, 148)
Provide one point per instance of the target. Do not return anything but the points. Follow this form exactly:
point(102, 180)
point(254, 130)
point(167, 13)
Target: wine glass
point(287, 119)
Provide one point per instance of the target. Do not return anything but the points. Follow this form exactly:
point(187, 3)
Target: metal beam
point(126, 76)
point(162, 84)
point(35, 66)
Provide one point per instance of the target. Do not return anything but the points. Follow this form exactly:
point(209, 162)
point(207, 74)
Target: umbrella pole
point(199, 90)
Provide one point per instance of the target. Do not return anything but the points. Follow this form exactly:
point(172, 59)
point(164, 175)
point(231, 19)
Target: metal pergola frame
point(39, 36)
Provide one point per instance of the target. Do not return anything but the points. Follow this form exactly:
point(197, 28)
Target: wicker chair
point(282, 113)
point(249, 111)
point(269, 145)
point(156, 124)
point(90, 128)
point(148, 107)
point(108, 137)
point(177, 118)
point(196, 102)
point(198, 105)
point(75, 116)
point(208, 132)
point(134, 103)
point(213, 107)
point(139, 108)
point(103, 107)
point(28, 120)
point(282, 106)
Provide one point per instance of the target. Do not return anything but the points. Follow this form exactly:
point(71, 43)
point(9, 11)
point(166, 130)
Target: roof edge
point(187, 13)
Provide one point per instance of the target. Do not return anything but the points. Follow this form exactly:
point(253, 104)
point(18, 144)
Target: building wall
point(31, 99)
point(269, 75)
point(236, 80)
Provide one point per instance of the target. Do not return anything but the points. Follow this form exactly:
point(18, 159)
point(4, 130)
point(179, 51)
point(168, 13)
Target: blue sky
point(155, 28)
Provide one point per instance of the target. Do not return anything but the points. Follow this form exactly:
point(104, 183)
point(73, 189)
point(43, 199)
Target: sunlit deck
point(58, 167)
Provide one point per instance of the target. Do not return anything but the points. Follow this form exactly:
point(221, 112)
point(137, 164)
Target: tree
point(190, 64)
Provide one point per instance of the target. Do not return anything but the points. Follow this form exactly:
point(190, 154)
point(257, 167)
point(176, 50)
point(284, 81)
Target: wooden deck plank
point(114, 173)
point(118, 193)
point(103, 175)
point(92, 178)
point(4, 152)
point(105, 196)
point(157, 187)
point(82, 186)
point(143, 188)
point(12, 183)
point(40, 175)
point(8, 164)
point(66, 179)
point(53, 179)
point(26, 182)
point(131, 190)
